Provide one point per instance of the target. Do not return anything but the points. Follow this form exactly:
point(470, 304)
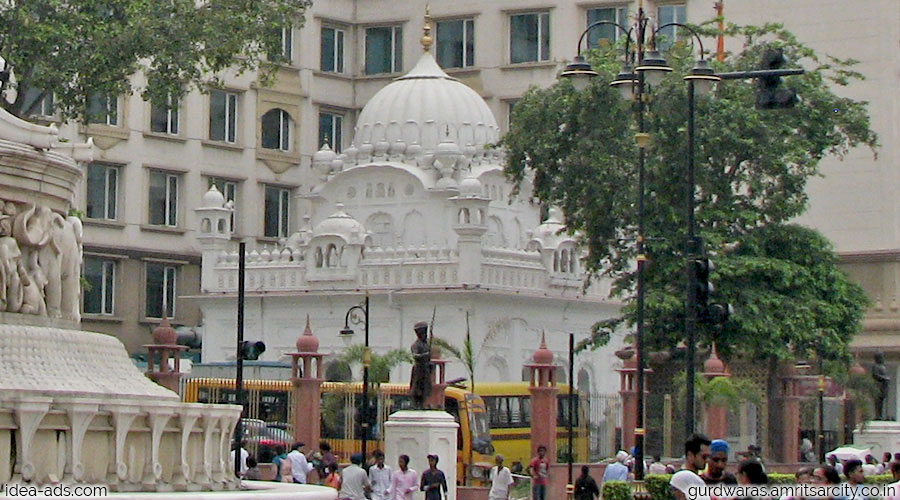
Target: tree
point(75, 49)
point(752, 169)
point(467, 354)
point(381, 364)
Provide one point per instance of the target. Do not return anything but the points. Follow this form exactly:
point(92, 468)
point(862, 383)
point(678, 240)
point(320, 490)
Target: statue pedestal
point(879, 435)
point(419, 433)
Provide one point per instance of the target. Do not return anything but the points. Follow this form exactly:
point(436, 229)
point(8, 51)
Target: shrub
point(778, 478)
point(880, 479)
point(617, 490)
point(658, 486)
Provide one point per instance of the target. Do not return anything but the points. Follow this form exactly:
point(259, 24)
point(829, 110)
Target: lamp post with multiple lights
point(639, 70)
point(353, 314)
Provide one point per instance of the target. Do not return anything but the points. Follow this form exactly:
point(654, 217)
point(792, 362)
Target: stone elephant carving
point(11, 295)
point(58, 242)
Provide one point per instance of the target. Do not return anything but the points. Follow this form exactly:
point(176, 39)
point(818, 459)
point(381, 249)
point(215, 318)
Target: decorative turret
point(306, 377)
point(558, 249)
point(335, 248)
point(471, 208)
point(214, 233)
point(543, 389)
point(165, 346)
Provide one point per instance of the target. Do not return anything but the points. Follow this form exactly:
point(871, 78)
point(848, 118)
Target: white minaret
point(214, 234)
point(470, 225)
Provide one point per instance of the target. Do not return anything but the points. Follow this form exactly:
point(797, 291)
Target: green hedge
point(617, 490)
point(658, 486)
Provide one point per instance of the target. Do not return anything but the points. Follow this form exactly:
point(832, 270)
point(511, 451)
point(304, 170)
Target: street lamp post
point(649, 69)
point(347, 332)
point(571, 402)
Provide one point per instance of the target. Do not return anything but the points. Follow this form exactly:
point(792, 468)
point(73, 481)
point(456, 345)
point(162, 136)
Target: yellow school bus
point(509, 417)
point(271, 401)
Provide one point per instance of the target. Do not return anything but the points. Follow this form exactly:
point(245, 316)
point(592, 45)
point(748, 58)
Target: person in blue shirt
point(617, 471)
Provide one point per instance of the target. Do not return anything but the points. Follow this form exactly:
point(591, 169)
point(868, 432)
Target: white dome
point(551, 233)
point(425, 106)
point(213, 198)
point(342, 225)
point(470, 187)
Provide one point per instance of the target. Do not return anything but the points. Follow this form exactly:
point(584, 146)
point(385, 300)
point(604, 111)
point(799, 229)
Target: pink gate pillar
point(716, 415)
point(542, 386)
point(306, 377)
point(165, 346)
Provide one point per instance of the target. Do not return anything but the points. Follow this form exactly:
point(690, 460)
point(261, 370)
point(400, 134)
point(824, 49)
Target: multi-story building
point(256, 143)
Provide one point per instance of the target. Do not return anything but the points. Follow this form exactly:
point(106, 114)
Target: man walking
point(405, 481)
point(354, 480)
point(433, 480)
point(380, 476)
point(539, 468)
point(696, 452)
point(718, 460)
point(501, 479)
point(300, 467)
point(617, 471)
point(585, 486)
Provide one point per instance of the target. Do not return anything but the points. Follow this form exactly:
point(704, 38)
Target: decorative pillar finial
point(426, 38)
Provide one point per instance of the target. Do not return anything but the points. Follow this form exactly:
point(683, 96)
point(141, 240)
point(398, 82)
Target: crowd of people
point(358, 480)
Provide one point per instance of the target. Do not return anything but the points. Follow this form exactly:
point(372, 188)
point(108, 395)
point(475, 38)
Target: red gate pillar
point(544, 407)
point(165, 346)
point(716, 415)
point(307, 380)
point(629, 392)
point(790, 438)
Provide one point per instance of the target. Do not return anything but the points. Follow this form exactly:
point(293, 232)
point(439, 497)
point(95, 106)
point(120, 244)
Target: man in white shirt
point(243, 460)
point(501, 479)
point(380, 476)
point(354, 480)
point(300, 467)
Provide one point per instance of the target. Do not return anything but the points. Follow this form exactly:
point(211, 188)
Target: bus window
point(563, 402)
point(479, 430)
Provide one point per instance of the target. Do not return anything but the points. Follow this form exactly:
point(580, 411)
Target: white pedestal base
point(419, 433)
point(879, 435)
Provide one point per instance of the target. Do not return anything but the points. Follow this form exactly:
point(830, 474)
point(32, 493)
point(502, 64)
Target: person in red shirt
point(539, 469)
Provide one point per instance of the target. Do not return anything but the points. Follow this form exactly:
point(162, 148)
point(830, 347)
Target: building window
point(163, 199)
point(510, 106)
point(276, 130)
point(228, 189)
point(222, 116)
point(607, 32)
point(287, 43)
point(102, 189)
point(164, 119)
point(384, 49)
point(330, 130)
point(456, 43)
point(160, 290)
point(529, 37)
point(676, 13)
point(332, 50)
point(103, 109)
point(38, 103)
point(99, 295)
point(278, 204)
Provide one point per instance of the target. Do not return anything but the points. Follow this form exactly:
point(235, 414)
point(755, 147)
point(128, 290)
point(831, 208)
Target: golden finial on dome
point(426, 38)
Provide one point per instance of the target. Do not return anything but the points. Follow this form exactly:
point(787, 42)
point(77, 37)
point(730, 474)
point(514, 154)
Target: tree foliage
point(752, 167)
point(74, 48)
point(381, 364)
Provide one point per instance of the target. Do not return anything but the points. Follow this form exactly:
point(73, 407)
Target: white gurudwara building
point(417, 214)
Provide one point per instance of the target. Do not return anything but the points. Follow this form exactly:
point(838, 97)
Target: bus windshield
point(478, 425)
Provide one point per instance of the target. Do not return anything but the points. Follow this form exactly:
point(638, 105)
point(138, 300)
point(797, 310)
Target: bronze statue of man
point(880, 375)
point(420, 379)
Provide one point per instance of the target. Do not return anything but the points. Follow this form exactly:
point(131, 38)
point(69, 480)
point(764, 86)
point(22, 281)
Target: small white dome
point(551, 233)
point(424, 107)
point(213, 198)
point(342, 225)
point(324, 155)
point(470, 187)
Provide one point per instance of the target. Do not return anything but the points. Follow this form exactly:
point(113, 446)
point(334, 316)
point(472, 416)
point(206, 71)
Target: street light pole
point(239, 359)
point(820, 425)
point(691, 252)
point(347, 332)
point(571, 421)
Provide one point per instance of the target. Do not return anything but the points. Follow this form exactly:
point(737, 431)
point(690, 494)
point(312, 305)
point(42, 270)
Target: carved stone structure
point(73, 407)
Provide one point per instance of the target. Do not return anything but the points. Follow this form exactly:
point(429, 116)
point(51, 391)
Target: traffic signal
point(770, 93)
point(251, 350)
point(700, 268)
point(719, 313)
